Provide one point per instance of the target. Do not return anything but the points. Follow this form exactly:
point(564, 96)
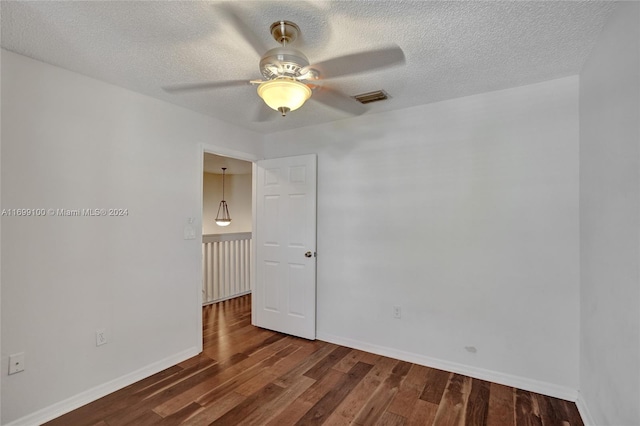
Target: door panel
point(285, 293)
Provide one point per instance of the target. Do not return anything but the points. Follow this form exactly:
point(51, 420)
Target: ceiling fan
point(288, 78)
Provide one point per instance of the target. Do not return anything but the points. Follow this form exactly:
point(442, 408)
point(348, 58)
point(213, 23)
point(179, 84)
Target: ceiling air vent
point(367, 98)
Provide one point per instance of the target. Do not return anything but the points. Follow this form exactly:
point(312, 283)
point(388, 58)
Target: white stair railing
point(226, 265)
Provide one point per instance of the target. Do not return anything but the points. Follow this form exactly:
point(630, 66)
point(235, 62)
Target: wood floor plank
point(371, 359)
point(527, 411)
point(501, 405)
point(299, 407)
point(249, 405)
point(573, 414)
point(189, 363)
point(417, 377)
point(142, 401)
point(436, 383)
point(549, 415)
point(478, 403)
point(559, 408)
point(452, 407)
point(347, 363)
point(214, 411)
point(321, 368)
point(353, 403)
point(322, 386)
point(391, 419)
point(197, 372)
point(127, 397)
point(424, 413)
point(135, 418)
point(325, 406)
point(181, 415)
point(287, 379)
point(266, 375)
point(292, 413)
point(409, 392)
point(273, 373)
point(403, 402)
point(180, 397)
point(245, 342)
point(382, 396)
point(266, 412)
point(251, 376)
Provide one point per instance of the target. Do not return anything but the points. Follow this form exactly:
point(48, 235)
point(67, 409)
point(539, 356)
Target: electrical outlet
point(16, 363)
point(101, 337)
point(397, 312)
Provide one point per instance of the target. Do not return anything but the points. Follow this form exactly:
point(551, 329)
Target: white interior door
point(285, 236)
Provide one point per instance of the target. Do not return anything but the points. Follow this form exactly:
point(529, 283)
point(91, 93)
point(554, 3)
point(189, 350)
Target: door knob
point(308, 254)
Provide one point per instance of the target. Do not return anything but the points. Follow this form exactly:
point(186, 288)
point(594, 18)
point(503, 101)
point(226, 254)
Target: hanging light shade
point(284, 94)
point(223, 218)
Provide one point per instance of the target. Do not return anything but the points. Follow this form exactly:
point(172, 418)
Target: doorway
point(226, 249)
point(283, 215)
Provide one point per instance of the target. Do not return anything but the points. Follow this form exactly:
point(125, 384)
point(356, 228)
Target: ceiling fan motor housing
point(282, 62)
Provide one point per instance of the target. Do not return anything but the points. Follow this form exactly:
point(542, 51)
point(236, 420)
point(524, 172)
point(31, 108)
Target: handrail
point(214, 238)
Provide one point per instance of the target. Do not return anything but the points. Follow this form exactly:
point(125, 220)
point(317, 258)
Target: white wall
point(237, 192)
point(464, 213)
point(72, 142)
point(610, 222)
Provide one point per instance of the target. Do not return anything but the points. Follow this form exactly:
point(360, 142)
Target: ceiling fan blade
point(204, 86)
point(358, 62)
point(243, 29)
point(337, 100)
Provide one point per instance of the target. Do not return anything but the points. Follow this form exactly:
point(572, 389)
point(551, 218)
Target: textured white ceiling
point(214, 164)
point(452, 49)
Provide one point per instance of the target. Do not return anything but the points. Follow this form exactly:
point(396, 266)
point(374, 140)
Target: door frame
point(238, 155)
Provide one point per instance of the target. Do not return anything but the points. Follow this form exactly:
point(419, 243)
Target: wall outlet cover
point(16, 363)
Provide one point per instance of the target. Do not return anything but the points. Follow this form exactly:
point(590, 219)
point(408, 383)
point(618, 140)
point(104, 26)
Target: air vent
point(367, 98)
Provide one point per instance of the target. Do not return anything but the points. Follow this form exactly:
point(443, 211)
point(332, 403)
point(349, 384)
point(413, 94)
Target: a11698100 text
point(58, 212)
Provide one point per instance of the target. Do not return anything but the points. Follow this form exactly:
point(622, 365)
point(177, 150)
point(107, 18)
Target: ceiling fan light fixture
point(284, 94)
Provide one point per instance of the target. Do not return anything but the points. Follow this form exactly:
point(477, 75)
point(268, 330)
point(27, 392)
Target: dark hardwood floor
point(250, 376)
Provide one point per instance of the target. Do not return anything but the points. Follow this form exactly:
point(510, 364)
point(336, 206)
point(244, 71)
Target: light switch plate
point(16, 363)
point(189, 232)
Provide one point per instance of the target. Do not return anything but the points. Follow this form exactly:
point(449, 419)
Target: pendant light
point(223, 218)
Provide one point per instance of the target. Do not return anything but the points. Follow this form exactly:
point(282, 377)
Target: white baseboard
point(587, 418)
point(523, 383)
point(56, 410)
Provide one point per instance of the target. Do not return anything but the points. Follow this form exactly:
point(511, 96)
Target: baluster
point(241, 266)
point(217, 269)
point(208, 281)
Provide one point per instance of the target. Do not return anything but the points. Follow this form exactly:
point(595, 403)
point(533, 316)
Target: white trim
point(587, 418)
point(524, 383)
point(59, 408)
point(254, 228)
point(226, 152)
